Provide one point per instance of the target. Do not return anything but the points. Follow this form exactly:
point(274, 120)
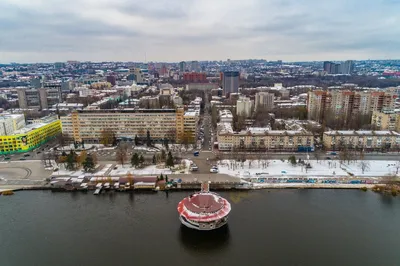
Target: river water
point(276, 227)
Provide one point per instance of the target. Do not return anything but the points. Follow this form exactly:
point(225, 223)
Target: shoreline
point(196, 187)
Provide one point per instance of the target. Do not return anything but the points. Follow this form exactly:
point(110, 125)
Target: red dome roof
point(204, 207)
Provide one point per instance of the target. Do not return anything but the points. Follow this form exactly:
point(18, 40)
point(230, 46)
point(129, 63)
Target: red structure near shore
point(204, 210)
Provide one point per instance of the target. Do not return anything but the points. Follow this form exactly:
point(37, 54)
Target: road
point(207, 144)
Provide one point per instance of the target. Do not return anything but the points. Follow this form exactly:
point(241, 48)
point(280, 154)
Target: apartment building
point(40, 98)
point(193, 77)
point(263, 139)
point(88, 125)
point(386, 120)
point(361, 140)
point(186, 126)
point(9, 123)
point(225, 116)
point(317, 104)
point(345, 104)
point(244, 106)
point(264, 101)
point(31, 136)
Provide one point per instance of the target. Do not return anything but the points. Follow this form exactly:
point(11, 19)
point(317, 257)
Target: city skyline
point(177, 30)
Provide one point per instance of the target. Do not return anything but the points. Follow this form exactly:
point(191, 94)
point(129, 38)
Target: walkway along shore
point(196, 186)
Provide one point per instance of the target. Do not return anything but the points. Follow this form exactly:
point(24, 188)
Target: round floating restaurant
point(204, 210)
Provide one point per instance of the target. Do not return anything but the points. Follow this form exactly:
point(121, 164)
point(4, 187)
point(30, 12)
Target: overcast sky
point(175, 30)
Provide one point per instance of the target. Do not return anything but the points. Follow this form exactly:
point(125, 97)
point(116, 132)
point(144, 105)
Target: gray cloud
point(173, 30)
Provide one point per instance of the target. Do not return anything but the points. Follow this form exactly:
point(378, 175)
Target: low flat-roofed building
point(262, 139)
point(361, 140)
point(386, 120)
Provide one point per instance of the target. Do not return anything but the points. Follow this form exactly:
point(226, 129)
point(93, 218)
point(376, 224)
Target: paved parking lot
point(23, 173)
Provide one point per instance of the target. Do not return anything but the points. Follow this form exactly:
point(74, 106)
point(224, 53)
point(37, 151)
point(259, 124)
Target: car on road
point(22, 159)
point(214, 170)
point(194, 168)
point(26, 155)
point(6, 158)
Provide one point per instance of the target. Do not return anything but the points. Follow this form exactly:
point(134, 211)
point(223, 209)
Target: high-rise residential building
point(40, 98)
point(50, 94)
point(193, 77)
point(345, 104)
point(138, 74)
point(346, 67)
point(264, 101)
point(195, 66)
point(244, 107)
point(28, 98)
point(112, 80)
point(172, 124)
point(182, 66)
point(230, 81)
point(316, 104)
point(386, 120)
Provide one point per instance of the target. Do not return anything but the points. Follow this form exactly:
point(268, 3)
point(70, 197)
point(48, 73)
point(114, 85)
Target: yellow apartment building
point(31, 136)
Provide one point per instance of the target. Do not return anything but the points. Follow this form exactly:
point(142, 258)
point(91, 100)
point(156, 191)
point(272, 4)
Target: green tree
point(170, 160)
point(141, 160)
point(154, 159)
point(71, 160)
point(292, 160)
point(166, 178)
point(166, 144)
point(88, 164)
point(163, 155)
point(161, 177)
point(135, 160)
point(136, 140)
point(148, 138)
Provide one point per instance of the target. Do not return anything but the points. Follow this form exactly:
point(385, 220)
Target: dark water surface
point(281, 227)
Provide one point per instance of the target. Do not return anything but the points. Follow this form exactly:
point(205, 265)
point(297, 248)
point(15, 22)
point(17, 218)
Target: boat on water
point(204, 210)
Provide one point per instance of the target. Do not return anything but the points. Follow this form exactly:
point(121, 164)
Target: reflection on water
point(238, 196)
point(204, 241)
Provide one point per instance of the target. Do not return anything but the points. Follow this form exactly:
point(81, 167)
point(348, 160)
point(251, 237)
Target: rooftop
point(362, 133)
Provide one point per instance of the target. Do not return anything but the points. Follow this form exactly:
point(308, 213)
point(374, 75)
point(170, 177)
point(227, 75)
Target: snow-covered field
point(64, 172)
point(175, 147)
point(150, 170)
point(320, 169)
point(87, 146)
point(144, 148)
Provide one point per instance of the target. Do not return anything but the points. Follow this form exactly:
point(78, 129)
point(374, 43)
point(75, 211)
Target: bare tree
point(364, 165)
point(316, 156)
point(397, 167)
point(121, 154)
point(107, 137)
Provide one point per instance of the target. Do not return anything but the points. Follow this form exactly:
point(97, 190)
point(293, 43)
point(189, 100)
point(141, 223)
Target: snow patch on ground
point(320, 169)
point(149, 170)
